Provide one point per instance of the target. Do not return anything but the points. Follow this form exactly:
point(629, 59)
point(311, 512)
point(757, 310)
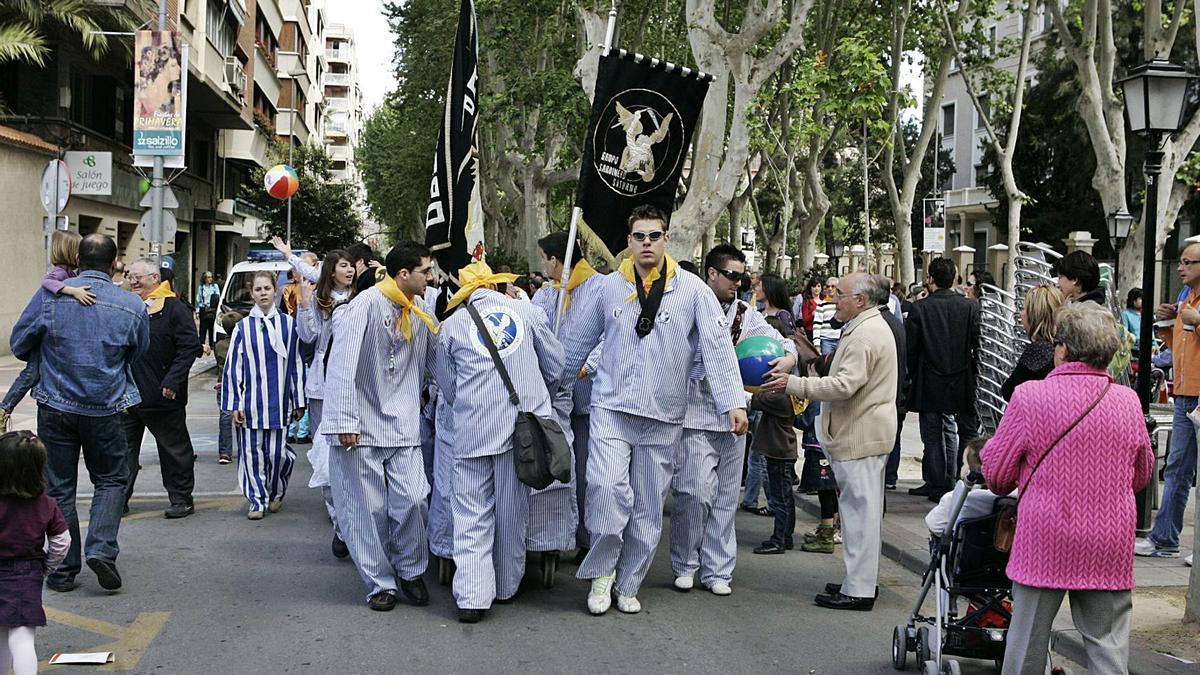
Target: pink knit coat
point(1076, 519)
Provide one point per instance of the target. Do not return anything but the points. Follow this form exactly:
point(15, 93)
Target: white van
point(235, 297)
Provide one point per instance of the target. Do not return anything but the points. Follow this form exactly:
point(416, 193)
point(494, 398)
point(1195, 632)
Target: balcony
point(338, 103)
point(248, 146)
point(335, 129)
point(340, 153)
point(265, 76)
point(340, 176)
point(339, 30)
point(290, 62)
point(337, 79)
point(283, 125)
point(343, 54)
point(971, 200)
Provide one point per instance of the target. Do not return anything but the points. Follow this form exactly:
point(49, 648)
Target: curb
point(1142, 661)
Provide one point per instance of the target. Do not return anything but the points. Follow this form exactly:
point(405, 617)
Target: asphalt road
point(218, 593)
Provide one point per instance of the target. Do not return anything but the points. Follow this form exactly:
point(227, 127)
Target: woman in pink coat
point(1076, 519)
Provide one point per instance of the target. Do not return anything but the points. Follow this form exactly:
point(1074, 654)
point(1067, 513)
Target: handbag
point(540, 449)
point(1006, 517)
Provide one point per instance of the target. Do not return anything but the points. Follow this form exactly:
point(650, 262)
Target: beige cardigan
point(858, 414)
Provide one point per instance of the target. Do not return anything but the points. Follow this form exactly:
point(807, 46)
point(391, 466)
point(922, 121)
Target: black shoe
point(839, 601)
point(935, 497)
point(106, 573)
point(889, 486)
point(470, 615)
point(382, 602)
point(179, 511)
point(757, 510)
point(125, 510)
point(302, 440)
point(790, 545)
point(580, 555)
point(340, 550)
point(769, 548)
point(65, 586)
point(415, 591)
point(224, 459)
point(920, 491)
point(835, 589)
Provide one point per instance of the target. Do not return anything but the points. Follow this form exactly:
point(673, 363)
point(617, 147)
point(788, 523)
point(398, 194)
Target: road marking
point(229, 504)
point(129, 643)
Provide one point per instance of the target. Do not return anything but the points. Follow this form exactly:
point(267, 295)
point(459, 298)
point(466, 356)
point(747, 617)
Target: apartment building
point(343, 102)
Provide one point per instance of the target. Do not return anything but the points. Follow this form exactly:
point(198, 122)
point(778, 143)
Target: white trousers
point(860, 504)
point(490, 508)
point(704, 488)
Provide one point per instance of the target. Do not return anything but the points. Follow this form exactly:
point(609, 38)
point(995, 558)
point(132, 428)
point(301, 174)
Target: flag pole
point(573, 231)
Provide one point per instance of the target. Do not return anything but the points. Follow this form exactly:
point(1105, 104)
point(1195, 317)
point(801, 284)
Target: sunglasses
point(733, 276)
point(643, 236)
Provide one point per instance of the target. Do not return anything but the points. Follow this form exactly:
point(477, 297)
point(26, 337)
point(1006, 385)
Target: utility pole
point(291, 144)
point(157, 182)
point(866, 201)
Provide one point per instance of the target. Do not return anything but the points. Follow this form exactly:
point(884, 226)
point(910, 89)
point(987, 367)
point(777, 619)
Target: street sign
point(56, 187)
point(169, 199)
point(91, 172)
point(169, 225)
point(52, 223)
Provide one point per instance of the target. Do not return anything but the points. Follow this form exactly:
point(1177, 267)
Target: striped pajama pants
point(580, 426)
point(441, 519)
point(380, 493)
point(264, 465)
point(490, 506)
point(630, 460)
point(708, 472)
point(315, 406)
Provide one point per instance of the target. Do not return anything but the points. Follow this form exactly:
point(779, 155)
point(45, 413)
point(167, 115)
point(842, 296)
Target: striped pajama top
point(263, 384)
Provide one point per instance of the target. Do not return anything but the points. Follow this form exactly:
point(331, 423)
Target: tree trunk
point(536, 218)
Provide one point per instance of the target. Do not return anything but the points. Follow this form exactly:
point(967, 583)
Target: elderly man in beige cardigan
point(857, 429)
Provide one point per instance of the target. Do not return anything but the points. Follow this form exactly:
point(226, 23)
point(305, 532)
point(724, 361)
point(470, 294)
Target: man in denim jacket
point(86, 382)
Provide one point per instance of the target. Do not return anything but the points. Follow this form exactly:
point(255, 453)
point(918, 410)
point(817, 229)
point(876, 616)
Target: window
point(263, 106)
point(947, 179)
point(222, 28)
point(990, 48)
point(266, 39)
point(985, 104)
point(948, 119)
point(94, 103)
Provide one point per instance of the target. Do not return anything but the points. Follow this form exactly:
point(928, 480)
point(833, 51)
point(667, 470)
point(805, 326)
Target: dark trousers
point(103, 445)
point(943, 434)
point(781, 499)
point(892, 472)
point(207, 330)
point(175, 453)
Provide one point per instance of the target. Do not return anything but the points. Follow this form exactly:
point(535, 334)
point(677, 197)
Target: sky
point(374, 49)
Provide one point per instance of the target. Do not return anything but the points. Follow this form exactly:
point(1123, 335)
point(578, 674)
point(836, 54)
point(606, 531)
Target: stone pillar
point(820, 260)
point(858, 258)
point(964, 257)
point(1079, 241)
point(963, 224)
point(997, 260)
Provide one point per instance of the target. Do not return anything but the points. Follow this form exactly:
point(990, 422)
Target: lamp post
point(1119, 223)
point(1154, 98)
point(838, 249)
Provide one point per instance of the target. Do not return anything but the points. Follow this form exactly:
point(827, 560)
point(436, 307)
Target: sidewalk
point(905, 540)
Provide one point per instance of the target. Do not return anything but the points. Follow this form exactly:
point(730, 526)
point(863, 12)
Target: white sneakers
point(1148, 549)
point(685, 583)
point(628, 604)
point(1188, 560)
point(720, 588)
point(600, 597)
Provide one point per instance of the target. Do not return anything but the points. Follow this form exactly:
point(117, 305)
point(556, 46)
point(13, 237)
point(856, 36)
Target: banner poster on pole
point(643, 116)
point(454, 217)
point(158, 77)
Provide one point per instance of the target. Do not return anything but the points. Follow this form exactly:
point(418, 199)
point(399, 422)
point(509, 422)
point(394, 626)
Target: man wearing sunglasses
point(654, 319)
point(702, 520)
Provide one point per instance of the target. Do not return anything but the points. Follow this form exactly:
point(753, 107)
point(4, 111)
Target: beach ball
point(754, 356)
point(281, 181)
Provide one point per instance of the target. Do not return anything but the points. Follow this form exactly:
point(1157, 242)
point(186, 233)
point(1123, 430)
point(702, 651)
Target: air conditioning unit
point(235, 75)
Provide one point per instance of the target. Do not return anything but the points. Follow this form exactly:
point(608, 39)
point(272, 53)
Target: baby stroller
point(966, 572)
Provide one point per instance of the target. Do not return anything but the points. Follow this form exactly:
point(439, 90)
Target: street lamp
point(1119, 223)
point(1154, 99)
point(838, 249)
point(1155, 93)
point(293, 74)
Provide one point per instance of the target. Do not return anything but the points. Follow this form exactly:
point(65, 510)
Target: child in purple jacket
point(64, 256)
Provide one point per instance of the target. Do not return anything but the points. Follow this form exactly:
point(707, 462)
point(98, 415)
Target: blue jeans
point(892, 472)
point(944, 435)
point(25, 381)
point(781, 498)
point(1180, 473)
point(102, 440)
point(756, 480)
point(224, 431)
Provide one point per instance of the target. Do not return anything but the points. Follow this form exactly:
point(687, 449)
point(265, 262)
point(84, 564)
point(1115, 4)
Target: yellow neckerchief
point(582, 271)
point(158, 297)
point(407, 308)
point(475, 276)
point(626, 270)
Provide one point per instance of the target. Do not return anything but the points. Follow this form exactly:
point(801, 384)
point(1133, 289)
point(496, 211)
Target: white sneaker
point(685, 583)
point(628, 604)
point(720, 588)
point(1188, 560)
point(600, 597)
point(1148, 549)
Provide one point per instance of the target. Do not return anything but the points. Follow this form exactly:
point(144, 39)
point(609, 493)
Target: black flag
point(643, 116)
point(454, 219)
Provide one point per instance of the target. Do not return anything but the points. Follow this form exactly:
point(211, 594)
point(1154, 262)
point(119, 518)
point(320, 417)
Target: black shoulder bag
point(540, 449)
point(1006, 519)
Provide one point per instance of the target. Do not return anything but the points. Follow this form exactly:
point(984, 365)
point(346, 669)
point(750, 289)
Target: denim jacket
point(86, 352)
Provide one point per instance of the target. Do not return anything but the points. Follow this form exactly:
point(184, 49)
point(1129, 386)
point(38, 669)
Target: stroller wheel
point(549, 567)
point(931, 668)
point(445, 571)
point(924, 653)
point(900, 647)
point(952, 668)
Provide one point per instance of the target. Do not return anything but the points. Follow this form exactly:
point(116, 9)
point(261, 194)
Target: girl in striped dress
point(263, 387)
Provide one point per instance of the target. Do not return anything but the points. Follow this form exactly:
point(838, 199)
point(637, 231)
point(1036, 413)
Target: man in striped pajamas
point(708, 459)
point(653, 319)
point(489, 503)
point(575, 418)
point(382, 348)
